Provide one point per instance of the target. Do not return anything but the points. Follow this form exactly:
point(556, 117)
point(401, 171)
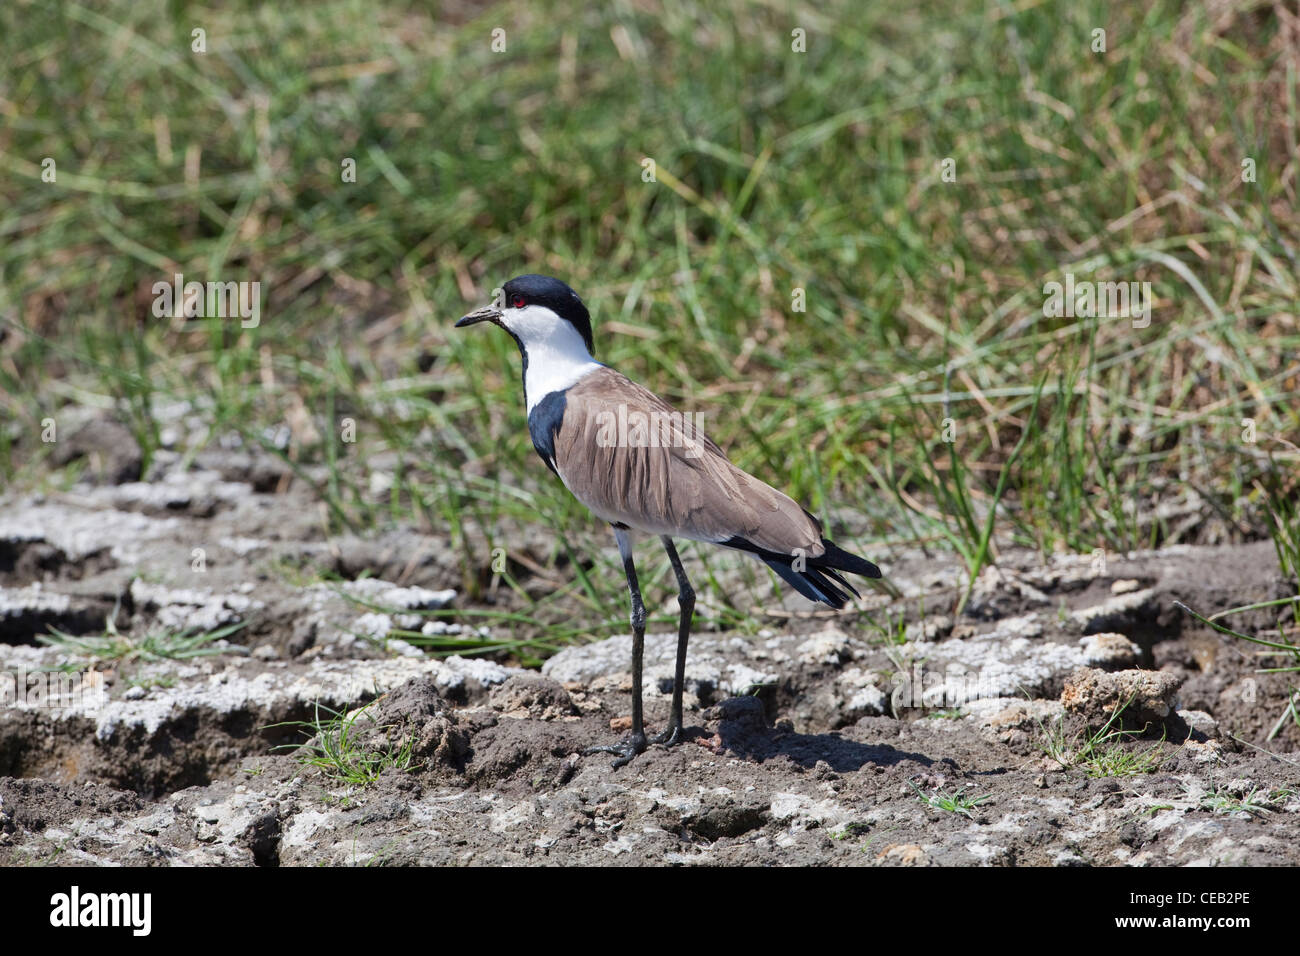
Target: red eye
point(517, 302)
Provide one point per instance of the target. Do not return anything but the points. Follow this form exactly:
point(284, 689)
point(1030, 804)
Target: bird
point(641, 466)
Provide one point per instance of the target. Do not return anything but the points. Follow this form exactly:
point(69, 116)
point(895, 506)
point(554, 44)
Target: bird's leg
point(685, 598)
point(636, 742)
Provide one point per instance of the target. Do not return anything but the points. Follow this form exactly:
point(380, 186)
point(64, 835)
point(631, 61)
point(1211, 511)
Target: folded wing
point(634, 460)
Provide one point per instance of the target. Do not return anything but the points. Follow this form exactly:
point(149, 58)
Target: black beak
point(488, 313)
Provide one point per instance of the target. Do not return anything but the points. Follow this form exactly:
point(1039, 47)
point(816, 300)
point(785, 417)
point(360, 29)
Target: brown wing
point(632, 459)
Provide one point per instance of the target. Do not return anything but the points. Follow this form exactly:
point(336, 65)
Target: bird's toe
point(625, 750)
point(669, 737)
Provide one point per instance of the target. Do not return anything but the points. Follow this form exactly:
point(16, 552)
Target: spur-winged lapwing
point(625, 454)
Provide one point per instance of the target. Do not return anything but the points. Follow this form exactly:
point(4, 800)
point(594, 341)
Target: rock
point(933, 628)
point(857, 695)
point(1148, 698)
point(110, 451)
point(1123, 612)
point(903, 854)
point(1201, 723)
point(1009, 720)
point(260, 470)
point(830, 647)
point(1026, 625)
point(1110, 652)
point(1001, 592)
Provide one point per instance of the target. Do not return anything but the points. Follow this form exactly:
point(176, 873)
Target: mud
point(811, 742)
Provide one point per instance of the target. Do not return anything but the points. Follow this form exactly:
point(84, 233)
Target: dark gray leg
point(686, 598)
point(636, 742)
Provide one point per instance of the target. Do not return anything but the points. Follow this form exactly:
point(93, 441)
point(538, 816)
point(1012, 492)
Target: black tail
point(819, 580)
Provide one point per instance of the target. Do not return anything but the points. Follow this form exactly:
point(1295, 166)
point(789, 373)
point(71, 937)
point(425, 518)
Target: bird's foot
point(670, 736)
point(625, 750)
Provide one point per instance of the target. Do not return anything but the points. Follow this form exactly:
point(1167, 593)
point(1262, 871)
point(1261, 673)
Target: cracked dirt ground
point(813, 742)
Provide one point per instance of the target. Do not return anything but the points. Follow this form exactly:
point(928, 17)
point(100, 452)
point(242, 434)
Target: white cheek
point(532, 323)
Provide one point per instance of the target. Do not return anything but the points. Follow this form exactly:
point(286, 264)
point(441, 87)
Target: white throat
point(556, 354)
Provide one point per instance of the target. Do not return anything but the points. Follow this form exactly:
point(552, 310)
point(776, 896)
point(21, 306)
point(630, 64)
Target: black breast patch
point(544, 423)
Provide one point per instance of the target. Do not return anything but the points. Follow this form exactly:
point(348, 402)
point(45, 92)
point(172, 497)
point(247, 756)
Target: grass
point(850, 830)
point(1253, 803)
point(949, 713)
point(1284, 528)
point(969, 533)
point(892, 630)
point(337, 746)
point(956, 802)
point(114, 647)
point(465, 636)
point(854, 328)
point(1104, 752)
